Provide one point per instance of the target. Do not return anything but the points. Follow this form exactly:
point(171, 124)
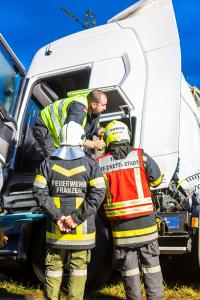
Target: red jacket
point(128, 194)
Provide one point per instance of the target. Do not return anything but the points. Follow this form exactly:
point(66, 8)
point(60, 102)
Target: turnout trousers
point(55, 261)
point(130, 261)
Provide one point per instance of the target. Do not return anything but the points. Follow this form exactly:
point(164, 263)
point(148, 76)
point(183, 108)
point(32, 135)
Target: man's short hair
point(95, 96)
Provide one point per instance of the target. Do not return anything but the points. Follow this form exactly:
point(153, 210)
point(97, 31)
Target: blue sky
point(28, 25)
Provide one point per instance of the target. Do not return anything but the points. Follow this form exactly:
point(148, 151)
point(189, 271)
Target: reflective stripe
point(79, 201)
point(138, 181)
point(61, 113)
point(84, 227)
point(136, 240)
point(56, 201)
point(157, 181)
point(151, 270)
point(74, 272)
point(108, 196)
point(127, 203)
point(129, 211)
point(84, 92)
point(144, 158)
point(40, 181)
point(79, 229)
point(71, 237)
point(55, 274)
point(67, 172)
point(4, 149)
point(108, 164)
point(78, 243)
point(2, 158)
point(55, 120)
point(136, 232)
point(132, 272)
point(98, 183)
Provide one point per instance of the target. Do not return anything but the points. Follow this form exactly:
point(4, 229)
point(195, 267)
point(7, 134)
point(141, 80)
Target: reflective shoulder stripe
point(132, 272)
point(55, 274)
point(78, 92)
point(157, 181)
point(98, 183)
point(79, 272)
point(67, 172)
point(151, 270)
point(82, 99)
point(40, 181)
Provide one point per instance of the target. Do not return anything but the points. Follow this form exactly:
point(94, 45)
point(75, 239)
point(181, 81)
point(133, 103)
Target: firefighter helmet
point(72, 134)
point(116, 131)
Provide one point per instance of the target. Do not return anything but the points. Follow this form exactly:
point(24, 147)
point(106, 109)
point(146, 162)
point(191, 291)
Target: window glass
point(29, 156)
point(10, 80)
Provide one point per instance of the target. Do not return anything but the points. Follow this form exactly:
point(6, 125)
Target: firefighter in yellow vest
point(128, 205)
point(84, 107)
point(69, 188)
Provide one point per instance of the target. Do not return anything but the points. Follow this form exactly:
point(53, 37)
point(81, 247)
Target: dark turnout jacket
point(70, 187)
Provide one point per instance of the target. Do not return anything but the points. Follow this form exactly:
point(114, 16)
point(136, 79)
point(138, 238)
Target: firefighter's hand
point(97, 144)
point(66, 223)
point(101, 131)
point(69, 223)
point(3, 239)
point(61, 224)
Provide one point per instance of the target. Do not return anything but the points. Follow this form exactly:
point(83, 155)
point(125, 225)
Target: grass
point(13, 288)
point(10, 289)
point(172, 292)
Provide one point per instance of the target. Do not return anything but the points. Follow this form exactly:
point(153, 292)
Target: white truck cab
point(135, 59)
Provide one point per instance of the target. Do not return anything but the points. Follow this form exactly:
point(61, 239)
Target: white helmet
point(72, 134)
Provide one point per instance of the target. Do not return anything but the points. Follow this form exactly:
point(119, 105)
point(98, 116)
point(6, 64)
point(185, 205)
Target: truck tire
point(99, 270)
point(37, 249)
point(100, 267)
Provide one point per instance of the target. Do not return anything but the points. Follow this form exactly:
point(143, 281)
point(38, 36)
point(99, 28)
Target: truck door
point(11, 77)
point(12, 74)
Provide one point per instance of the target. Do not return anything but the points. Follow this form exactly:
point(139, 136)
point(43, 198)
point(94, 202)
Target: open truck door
point(135, 60)
point(12, 74)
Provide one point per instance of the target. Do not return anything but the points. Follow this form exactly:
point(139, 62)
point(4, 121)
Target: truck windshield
point(10, 80)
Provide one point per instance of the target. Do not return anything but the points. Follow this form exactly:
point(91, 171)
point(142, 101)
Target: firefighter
point(69, 188)
point(128, 206)
point(83, 107)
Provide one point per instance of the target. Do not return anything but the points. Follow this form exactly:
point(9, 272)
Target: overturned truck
point(135, 59)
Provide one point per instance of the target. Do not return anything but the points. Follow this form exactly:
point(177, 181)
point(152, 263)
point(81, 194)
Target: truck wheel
point(99, 269)
point(37, 249)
